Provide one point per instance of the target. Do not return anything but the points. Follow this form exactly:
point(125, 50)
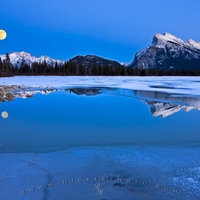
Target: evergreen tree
point(9, 67)
point(1, 65)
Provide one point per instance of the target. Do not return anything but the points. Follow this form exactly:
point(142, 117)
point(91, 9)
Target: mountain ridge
point(166, 52)
point(19, 58)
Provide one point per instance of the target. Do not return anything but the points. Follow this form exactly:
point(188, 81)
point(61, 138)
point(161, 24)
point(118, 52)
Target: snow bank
point(181, 85)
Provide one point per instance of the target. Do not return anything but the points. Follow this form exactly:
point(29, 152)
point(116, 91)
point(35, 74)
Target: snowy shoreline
point(181, 85)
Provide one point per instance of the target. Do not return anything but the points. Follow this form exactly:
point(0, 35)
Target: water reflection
point(10, 93)
point(96, 116)
point(160, 103)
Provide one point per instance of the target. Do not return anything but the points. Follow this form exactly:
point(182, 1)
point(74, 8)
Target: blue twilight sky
point(113, 29)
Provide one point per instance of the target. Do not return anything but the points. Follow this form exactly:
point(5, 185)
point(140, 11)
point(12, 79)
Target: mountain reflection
point(10, 93)
point(86, 91)
point(160, 103)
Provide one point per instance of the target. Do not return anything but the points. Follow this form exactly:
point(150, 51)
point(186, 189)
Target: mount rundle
point(165, 52)
point(168, 52)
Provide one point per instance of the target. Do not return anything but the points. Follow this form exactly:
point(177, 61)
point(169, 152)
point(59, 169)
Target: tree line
point(71, 68)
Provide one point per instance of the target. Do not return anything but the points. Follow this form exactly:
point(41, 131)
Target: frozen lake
point(98, 116)
point(100, 138)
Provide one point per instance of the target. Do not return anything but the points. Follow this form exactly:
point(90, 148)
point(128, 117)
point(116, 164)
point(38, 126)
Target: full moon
point(2, 34)
point(4, 114)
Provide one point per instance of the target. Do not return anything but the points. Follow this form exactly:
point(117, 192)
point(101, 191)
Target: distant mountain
point(87, 62)
point(91, 60)
point(168, 52)
point(19, 58)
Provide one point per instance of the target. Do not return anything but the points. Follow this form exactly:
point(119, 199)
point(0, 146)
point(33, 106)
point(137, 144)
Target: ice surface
point(182, 85)
point(169, 168)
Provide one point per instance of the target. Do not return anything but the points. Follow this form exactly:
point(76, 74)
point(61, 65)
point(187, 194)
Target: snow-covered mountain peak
point(193, 43)
point(17, 58)
point(168, 52)
point(23, 53)
point(160, 40)
point(173, 38)
point(44, 57)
